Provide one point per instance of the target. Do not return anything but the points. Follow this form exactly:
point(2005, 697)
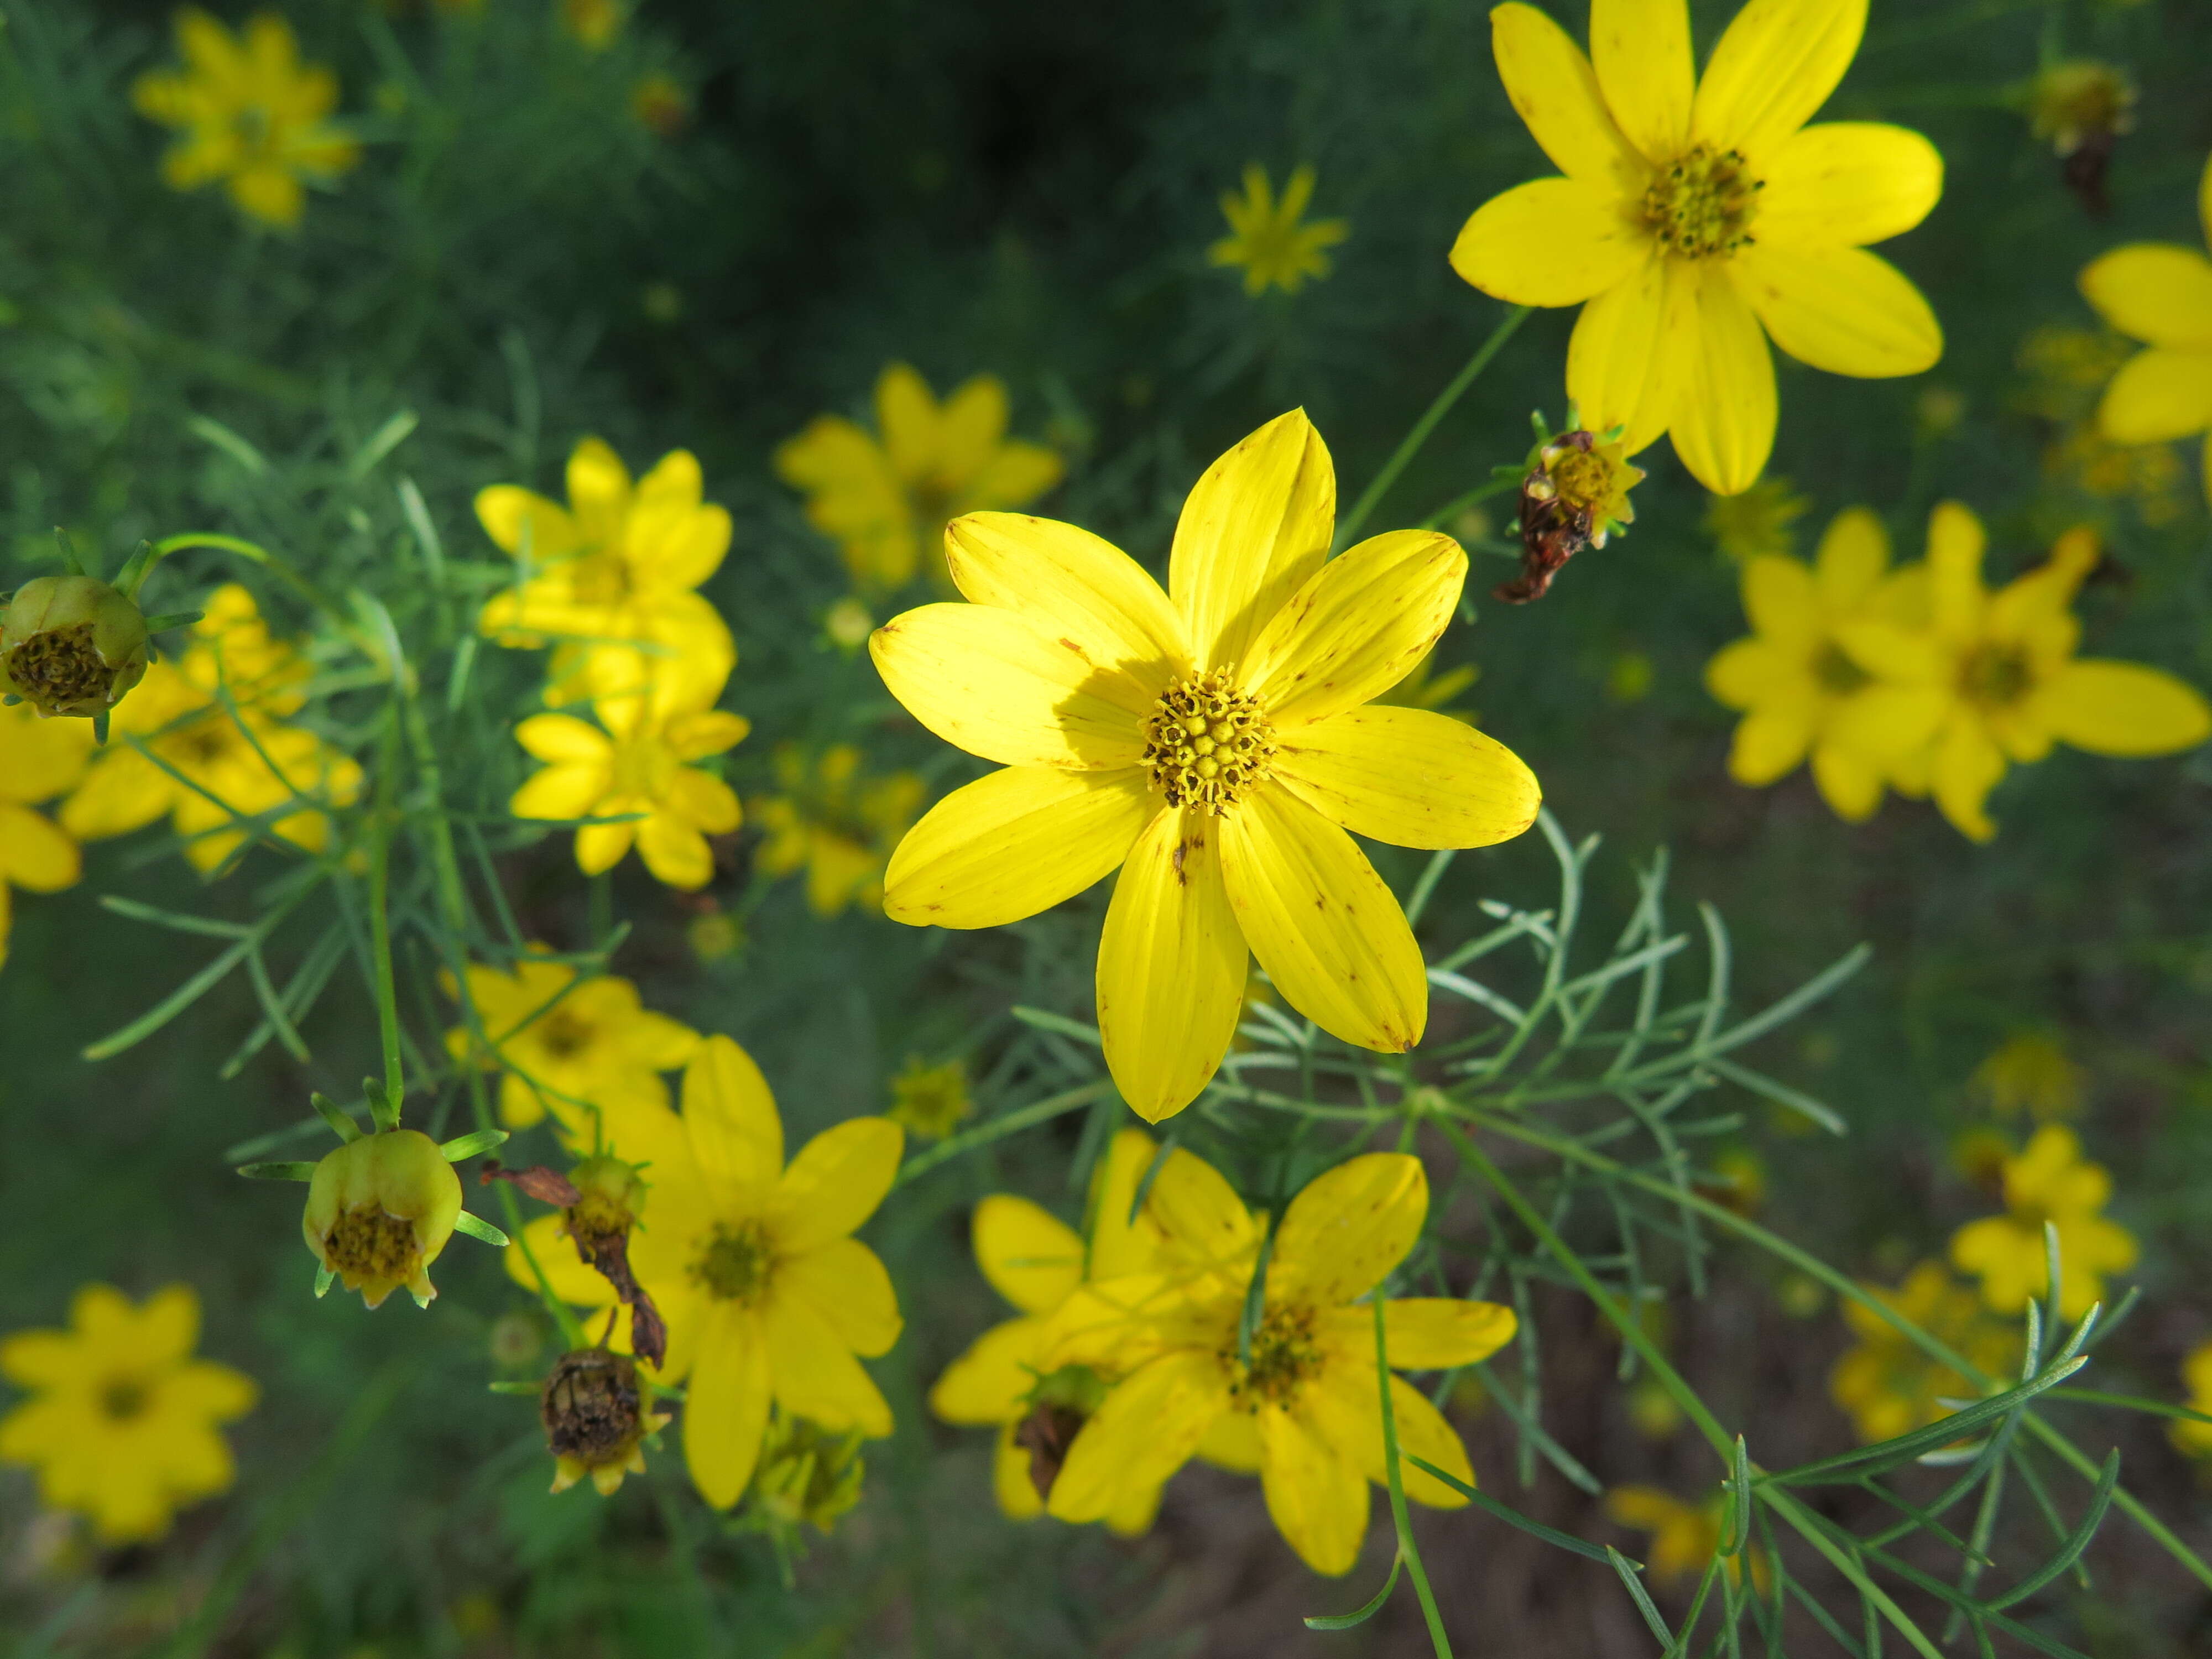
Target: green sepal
point(381, 1106)
point(100, 728)
point(530, 1388)
point(477, 1227)
point(324, 1279)
point(277, 1171)
point(468, 1145)
point(337, 1116)
point(70, 561)
point(172, 619)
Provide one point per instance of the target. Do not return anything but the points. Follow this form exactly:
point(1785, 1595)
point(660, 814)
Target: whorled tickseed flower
point(597, 1409)
point(380, 1209)
point(72, 645)
point(1574, 495)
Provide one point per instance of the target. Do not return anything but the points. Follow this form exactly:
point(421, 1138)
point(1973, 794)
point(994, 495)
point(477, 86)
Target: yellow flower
point(2031, 1070)
point(930, 1101)
point(577, 1053)
point(836, 825)
point(885, 496)
point(612, 575)
point(122, 1422)
point(234, 765)
point(2150, 475)
point(1697, 219)
point(1890, 1388)
point(381, 1210)
point(2161, 294)
point(1757, 522)
point(2050, 1181)
point(1426, 689)
point(39, 760)
point(638, 765)
point(2081, 100)
point(251, 113)
point(1210, 740)
point(1685, 1537)
point(2065, 368)
point(1266, 241)
point(1994, 677)
point(660, 105)
point(752, 1262)
point(2196, 1438)
point(597, 1412)
point(591, 23)
point(1300, 1404)
point(1036, 1261)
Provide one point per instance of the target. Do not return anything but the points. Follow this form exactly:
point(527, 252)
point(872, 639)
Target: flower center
point(368, 1243)
point(1839, 676)
point(591, 1408)
point(1207, 743)
point(124, 1398)
point(643, 767)
point(57, 667)
point(736, 1264)
point(564, 1035)
point(600, 579)
point(1997, 674)
point(1285, 1358)
point(1701, 204)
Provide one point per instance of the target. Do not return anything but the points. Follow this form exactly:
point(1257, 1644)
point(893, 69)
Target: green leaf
point(171, 1006)
point(1889, 1454)
point(1628, 1569)
point(337, 1116)
point(1507, 1513)
point(2070, 1550)
point(1043, 1020)
point(530, 1388)
point(468, 1145)
point(477, 1227)
point(277, 1171)
point(381, 442)
point(324, 1279)
point(1365, 1612)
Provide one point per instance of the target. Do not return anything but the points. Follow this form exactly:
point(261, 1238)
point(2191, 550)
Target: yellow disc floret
point(1701, 204)
point(1206, 742)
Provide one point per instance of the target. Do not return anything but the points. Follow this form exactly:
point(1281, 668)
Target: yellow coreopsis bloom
point(1685, 1537)
point(2160, 293)
point(886, 495)
point(2048, 1181)
point(40, 759)
point(1699, 218)
point(2196, 1438)
point(2030, 1069)
point(1886, 1384)
point(240, 764)
point(1993, 677)
point(836, 825)
point(1267, 240)
point(1301, 1405)
point(573, 1052)
point(251, 115)
point(640, 765)
point(931, 1101)
point(1756, 522)
point(122, 1424)
point(752, 1263)
point(1215, 741)
point(612, 575)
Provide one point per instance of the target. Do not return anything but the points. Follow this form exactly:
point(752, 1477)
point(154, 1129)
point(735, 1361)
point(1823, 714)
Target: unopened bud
point(72, 645)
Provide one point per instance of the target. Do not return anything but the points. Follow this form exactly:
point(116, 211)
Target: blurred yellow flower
point(2063, 369)
point(251, 114)
point(568, 1048)
point(2150, 475)
point(2196, 1438)
point(2161, 294)
point(1301, 1408)
point(1757, 522)
point(1697, 219)
point(2048, 1181)
point(217, 748)
point(885, 496)
point(1685, 1537)
point(1886, 1384)
point(40, 759)
point(1267, 240)
point(2030, 1069)
point(660, 105)
point(1215, 742)
point(931, 1101)
point(836, 823)
point(121, 1424)
point(591, 24)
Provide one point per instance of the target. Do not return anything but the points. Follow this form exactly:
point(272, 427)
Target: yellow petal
point(2122, 708)
point(1316, 1494)
point(1409, 777)
point(572, 1278)
point(560, 793)
point(989, 1382)
point(1010, 1477)
point(1776, 63)
point(600, 847)
point(563, 738)
point(1723, 425)
point(1134, 1511)
point(1068, 582)
point(1357, 627)
point(1322, 924)
point(1885, 723)
point(1232, 1444)
point(1641, 51)
point(1848, 781)
point(1201, 1213)
point(1771, 739)
point(1343, 1405)
point(971, 427)
point(1172, 967)
point(2164, 392)
point(1031, 1257)
point(34, 852)
point(906, 414)
point(1549, 242)
point(1253, 528)
point(837, 1182)
point(1841, 309)
point(1853, 556)
point(1782, 602)
point(2157, 292)
point(1747, 672)
point(1347, 1228)
point(1015, 843)
point(1121, 1244)
point(1630, 351)
point(1016, 474)
point(845, 1282)
point(1844, 183)
point(725, 1404)
point(1967, 765)
point(1956, 600)
point(1430, 1333)
point(988, 682)
point(1146, 1431)
point(730, 1120)
point(815, 1375)
point(598, 488)
point(1554, 90)
point(675, 852)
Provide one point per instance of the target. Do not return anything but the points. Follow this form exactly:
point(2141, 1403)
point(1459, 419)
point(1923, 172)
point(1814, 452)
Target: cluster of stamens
point(1206, 742)
point(373, 1244)
point(1837, 675)
point(1701, 204)
point(60, 665)
point(1284, 1356)
point(1997, 674)
point(736, 1264)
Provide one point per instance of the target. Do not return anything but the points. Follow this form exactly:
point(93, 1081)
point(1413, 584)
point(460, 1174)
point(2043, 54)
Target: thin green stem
point(1444, 514)
point(261, 555)
point(379, 920)
point(1408, 1552)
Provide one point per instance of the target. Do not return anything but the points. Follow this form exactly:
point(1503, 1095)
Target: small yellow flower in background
point(836, 823)
point(752, 1263)
point(2081, 101)
point(1425, 688)
point(931, 1101)
point(592, 24)
point(1216, 742)
point(1757, 523)
point(885, 496)
point(2149, 475)
point(639, 765)
point(2196, 1438)
point(1628, 677)
point(1685, 1537)
point(1698, 219)
point(381, 1210)
point(1993, 677)
point(1268, 242)
point(2063, 370)
point(807, 1475)
point(614, 574)
point(1036, 1261)
point(1887, 1385)
point(1303, 1410)
point(236, 766)
point(597, 1409)
point(848, 623)
point(251, 113)
point(2161, 294)
point(2050, 1181)
point(40, 759)
point(660, 105)
point(2030, 1070)
point(567, 1050)
point(1978, 1153)
point(1938, 412)
point(121, 1424)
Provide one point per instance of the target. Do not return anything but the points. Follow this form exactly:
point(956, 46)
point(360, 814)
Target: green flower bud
point(807, 1473)
point(72, 645)
point(379, 1210)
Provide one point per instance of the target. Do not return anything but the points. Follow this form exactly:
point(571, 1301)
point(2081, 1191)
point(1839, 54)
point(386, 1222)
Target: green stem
point(379, 922)
point(141, 567)
point(1408, 1552)
point(1411, 445)
point(1444, 515)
